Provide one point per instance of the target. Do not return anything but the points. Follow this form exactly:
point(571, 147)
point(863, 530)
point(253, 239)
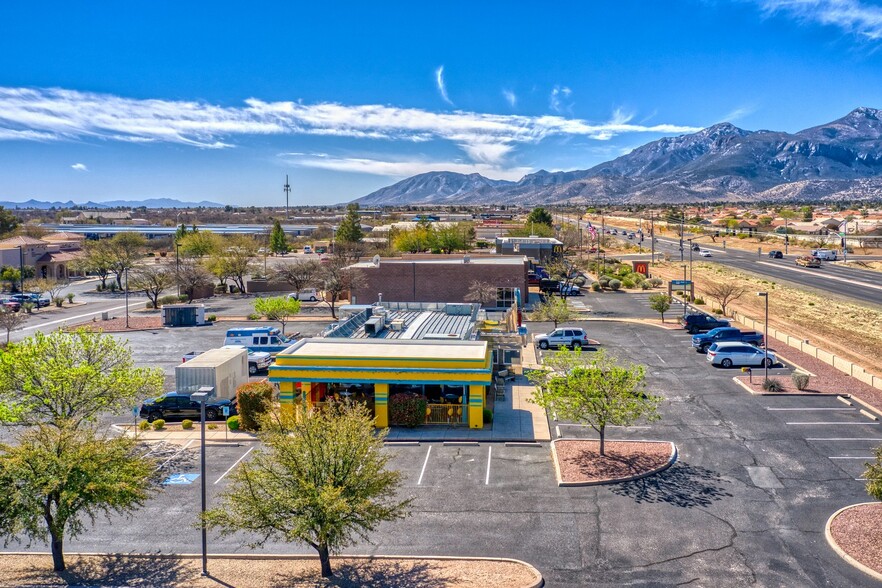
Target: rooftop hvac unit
point(397, 325)
point(374, 325)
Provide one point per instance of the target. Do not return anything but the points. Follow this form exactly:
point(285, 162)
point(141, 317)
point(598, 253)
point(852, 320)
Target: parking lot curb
point(672, 459)
point(794, 364)
point(865, 404)
point(797, 394)
point(539, 581)
point(828, 535)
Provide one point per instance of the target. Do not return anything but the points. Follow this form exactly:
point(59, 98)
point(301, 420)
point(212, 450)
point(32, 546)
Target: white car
point(563, 337)
point(569, 289)
point(310, 294)
point(734, 354)
point(705, 253)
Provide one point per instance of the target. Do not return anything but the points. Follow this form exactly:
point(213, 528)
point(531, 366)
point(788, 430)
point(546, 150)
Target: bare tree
point(192, 276)
point(11, 320)
point(338, 278)
point(153, 281)
point(724, 293)
point(301, 274)
point(481, 292)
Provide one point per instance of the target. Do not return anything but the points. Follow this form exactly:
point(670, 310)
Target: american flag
point(592, 231)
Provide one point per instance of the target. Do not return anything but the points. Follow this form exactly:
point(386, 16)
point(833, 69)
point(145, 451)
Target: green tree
point(874, 475)
point(97, 260)
point(238, 259)
point(58, 478)
point(452, 238)
point(278, 242)
point(321, 479)
point(124, 249)
point(9, 321)
point(200, 244)
point(596, 391)
point(8, 222)
point(532, 230)
point(553, 309)
point(11, 275)
point(350, 228)
point(660, 303)
point(72, 377)
point(278, 308)
point(299, 274)
point(540, 216)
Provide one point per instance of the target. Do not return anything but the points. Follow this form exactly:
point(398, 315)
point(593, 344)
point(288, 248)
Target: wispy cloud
point(510, 97)
point(738, 113)
point(79, 167)
point(403, 167)
point(45, 114)
point(851, 16)
point(558, 100)
point(442, 87)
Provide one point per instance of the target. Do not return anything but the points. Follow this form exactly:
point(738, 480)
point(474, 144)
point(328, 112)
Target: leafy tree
point(153, 281)
point(452, 238)
point(337, 278)
point(278, 308)
point(553, 309)
point(421, 238)
point(300, 274)
point(874, 475)
point(181, 232)
point(724, 292)
point(532, 231)
point(57, 478)
point(200, 244)
point(350, 228)
point(72, 377)
point(660, 303)
point(237, 260)
point(483, 293)
point(97, 260)
point(8, 222)
point(9, 321)
point(321, 479)
point(278, 244)
point(52, 288)
point(124, 249)
point(597, 392)
point(191, 276)
point(11, 275)
point(540, 216)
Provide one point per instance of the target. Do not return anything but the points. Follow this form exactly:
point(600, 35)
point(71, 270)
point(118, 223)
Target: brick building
point(441, 278)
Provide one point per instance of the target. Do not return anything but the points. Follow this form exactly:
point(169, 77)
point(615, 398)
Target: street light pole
point(127, 297)
point(690, 259)
point(201, 396)
point(178, 265)
point(684, 289)
point(765, 338)
point(652, 234)
point(21, 268)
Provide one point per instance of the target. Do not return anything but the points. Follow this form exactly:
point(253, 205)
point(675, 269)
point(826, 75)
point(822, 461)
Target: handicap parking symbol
point(177, 479)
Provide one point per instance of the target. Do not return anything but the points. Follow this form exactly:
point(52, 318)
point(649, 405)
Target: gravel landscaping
point(579, 460)
point(149, 571)
point(118, 325)
point(858, 532)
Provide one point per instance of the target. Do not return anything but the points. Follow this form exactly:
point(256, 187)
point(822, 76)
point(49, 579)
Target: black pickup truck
point(700, 323)
point(727, 334)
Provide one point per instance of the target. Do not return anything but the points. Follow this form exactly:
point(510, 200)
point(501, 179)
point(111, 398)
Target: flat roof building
point(538, 248)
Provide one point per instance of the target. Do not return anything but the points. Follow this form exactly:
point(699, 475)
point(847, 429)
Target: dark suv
point(174, 406)
point(699, 323)
point(775, 254)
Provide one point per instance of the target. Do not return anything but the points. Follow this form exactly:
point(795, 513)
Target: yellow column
point(305, 389)
point(381, 405)
point(286, 397)
point(476, 406)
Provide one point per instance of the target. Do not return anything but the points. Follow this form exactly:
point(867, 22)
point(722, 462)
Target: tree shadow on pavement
point(122, 570)
point(377, 573)
point(681, 485)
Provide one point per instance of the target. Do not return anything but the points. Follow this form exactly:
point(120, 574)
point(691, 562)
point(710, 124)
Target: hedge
point(253, 400)
point(407, 410)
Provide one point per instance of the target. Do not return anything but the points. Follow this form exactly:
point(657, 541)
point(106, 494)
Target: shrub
point(172, 299)
point(220, 289)
point(615, 285)
point(253, 400)
point(699, 301)
point(603, 281)
point(800, 380)
point(183, 298)
point(254, 316)
point(58, 300)
point(407, 410)
point(655, 282)
point(628, 282)
point(233, 423)
point(644, 285)
point(28, 307)
point(149, 305)
point(70, 297)
point(488, 415)
point(186, 424)
point(143, 426)
point(158, 424)
point(211, 318)
point(211, 426)
point(772, 385)
point(596, 287)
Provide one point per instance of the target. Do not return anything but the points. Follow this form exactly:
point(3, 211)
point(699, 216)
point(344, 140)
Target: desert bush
point(211, 426)
point(233, 423)
point(699, 301)
point(254, 316)
point(211, 318)
point(186, 424)
point(800, 380)
point(596, 287)
point(645, 285)
point(628, 282)
point(70, 297)
point(488, 415)
point(171, 299)
point(407, 410)
point(58, 300)
point(158, 424)
point(655, 282)
point(772, 385)
point(615, 285)
point(28, 307)
point(253, 400)
point(143, 426)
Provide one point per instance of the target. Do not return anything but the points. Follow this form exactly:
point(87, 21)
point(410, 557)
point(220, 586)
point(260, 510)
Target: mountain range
point(149, 203)
point(840, 160)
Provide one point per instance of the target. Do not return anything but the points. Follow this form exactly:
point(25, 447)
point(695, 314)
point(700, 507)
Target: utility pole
point(652, 234)
point(287, 190)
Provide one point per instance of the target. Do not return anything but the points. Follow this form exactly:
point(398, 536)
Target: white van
point(307, 248)
point(824, 254)
point(308, 294)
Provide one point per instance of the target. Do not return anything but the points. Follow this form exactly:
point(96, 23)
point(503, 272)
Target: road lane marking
point(489, 456)
point(832, 423)
point(846, 457)
point(250, 449)
point(833, 409)
point(425, 463)
point(874, 439)
point(838, 279)
point(79, 316)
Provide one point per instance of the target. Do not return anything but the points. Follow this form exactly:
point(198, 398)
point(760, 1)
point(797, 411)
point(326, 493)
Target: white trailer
point(223, 369)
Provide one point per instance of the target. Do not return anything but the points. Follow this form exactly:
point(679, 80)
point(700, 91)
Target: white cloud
point(404, 168)
point(557, 100)
point(442, 87)
point(79, 167)
point(851, 16)
point(738, 113)
point(510, 97)
point(45, 114)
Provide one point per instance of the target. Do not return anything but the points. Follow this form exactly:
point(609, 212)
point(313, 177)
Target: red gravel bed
point(827, 379)
point(118, 325)
point(858, 532)
point(579, 460)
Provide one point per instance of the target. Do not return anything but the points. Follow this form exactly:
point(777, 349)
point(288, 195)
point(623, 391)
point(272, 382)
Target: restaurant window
point(505, 297)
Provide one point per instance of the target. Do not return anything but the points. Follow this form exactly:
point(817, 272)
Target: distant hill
point(835, 161)
point(149, 203)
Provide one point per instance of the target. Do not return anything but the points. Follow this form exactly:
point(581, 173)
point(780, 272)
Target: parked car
point(174, 406)
point(775, 254)
point(307, 248)
point(705, 253)
point(738, 354)
point(563, 337)
point(808, 261)
point(532, 279)
point(725, 334)
point(310, 294)
point(824, 254)
point(615, 231)
point(31, 297)
point(700, 323)
point(10, 305)
point(568, 289)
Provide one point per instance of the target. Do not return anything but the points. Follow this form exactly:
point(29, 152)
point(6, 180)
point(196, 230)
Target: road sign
point(680, 282)
point(226, 411)
point(135, 411)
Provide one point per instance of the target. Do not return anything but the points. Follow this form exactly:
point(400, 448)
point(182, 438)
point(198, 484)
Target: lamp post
point(127, 297)
point(690, 259)
point(684, 289)
point(765, 338)
point(21, 268)
point(201, 396)
point(580, 240)
point(178, 265)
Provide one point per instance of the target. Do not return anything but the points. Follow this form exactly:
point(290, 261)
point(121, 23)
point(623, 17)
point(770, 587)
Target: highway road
point(861, 285)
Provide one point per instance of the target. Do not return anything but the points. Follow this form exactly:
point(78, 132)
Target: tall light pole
point(20, 268)
point(765, 337)
point(652, 234)
point(684, 289)
point(690, 259)
point(287, 190)
point(178, 265)
point(127, 297)
point(201, 396)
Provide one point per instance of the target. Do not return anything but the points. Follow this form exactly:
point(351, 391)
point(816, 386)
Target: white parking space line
point(847, 457)
point(425, 463)
point(557, 430)
point(830, 423)
point(844, 439)
point(660, 358)
point(489, 456)
point(177, 453)
point(833, 409)
point(250, 449)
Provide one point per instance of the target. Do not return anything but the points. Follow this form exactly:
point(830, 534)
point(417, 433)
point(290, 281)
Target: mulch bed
point(232, 572)
point(858, 532)
point(827, 379)
point(118, 325)
point(579, 460)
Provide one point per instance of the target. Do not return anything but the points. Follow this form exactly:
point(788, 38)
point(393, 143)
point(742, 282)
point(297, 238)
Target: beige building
point(50, 256)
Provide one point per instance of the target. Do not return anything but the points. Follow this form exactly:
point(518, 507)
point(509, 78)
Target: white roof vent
point(376, 260)
point(466, 258)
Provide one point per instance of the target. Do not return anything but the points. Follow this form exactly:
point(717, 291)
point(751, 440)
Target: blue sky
point(219, 100)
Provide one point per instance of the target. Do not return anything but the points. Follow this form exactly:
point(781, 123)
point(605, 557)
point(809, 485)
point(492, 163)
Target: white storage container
point(222, 369)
